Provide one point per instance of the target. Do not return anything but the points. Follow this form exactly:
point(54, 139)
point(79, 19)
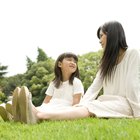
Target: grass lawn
point(84, 129)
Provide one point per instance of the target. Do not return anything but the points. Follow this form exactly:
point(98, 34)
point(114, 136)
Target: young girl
point(119, 75)
point(64, 91)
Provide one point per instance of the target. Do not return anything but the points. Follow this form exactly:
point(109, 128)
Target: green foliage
point(41, 71)
point(8, 84)
point(29, 62)
point(3, 71)
point(2, 97)
point(47, 78)
point(38, 76)
point(41, 55)
point(88, 67)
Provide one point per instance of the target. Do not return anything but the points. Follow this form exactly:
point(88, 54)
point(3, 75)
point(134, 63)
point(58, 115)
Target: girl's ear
point(59, 64)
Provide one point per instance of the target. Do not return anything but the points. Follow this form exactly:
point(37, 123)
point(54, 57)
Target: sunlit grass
point(84, 129)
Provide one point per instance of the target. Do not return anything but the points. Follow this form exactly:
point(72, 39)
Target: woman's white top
point(121, 95)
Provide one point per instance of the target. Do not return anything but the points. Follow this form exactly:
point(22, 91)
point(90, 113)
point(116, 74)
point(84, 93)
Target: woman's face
point(103, 39)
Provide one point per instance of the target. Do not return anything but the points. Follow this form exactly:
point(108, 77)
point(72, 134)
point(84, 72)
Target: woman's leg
point(67, 114)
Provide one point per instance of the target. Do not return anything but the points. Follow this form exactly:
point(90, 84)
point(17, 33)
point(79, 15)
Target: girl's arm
point(78, 91)
point(49, 93)
point(47, 99)
point(76, 98)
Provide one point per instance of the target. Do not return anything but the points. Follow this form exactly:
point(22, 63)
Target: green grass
point(84, 129)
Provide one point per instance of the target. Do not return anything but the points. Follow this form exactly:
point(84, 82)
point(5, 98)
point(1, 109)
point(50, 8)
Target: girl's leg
point(4, 114)
point(15, 105)
point(30, 115)
point(68, 114)
point(8, 107)
point(26, 107)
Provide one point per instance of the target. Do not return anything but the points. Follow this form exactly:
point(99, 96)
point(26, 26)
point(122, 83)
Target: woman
point(119, 76)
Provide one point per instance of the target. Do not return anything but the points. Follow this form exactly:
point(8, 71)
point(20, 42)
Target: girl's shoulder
point(51, 83)
point(76, 79)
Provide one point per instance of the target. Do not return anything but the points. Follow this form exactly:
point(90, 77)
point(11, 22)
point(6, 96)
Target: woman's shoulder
point(133, 51)
point(132, 54)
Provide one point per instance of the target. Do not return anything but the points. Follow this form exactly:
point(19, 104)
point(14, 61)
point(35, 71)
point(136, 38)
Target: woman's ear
point(59, 64)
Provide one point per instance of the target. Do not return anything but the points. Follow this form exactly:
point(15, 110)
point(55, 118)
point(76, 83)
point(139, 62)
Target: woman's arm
point(93, 91)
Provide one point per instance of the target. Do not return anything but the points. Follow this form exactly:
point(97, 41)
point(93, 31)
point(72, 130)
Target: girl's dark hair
point(116, 40)
point(57, 70)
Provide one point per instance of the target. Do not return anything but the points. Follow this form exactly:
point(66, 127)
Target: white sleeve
point(50, 89)
point(78, 86)
point(94, 89)
point(133, 82)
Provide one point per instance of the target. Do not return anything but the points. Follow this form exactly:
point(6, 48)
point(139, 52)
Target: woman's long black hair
point(57, 70)
point(116, 40)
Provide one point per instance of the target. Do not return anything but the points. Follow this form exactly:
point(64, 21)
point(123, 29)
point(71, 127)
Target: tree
point(88, 66)
point(8, 84)
point(3, 71)
point(41, 55)
point(29, 63)
point(38, 76)
point(2, 97)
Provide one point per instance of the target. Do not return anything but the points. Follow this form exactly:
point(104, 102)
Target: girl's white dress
point(62, 97)
point(121, 95)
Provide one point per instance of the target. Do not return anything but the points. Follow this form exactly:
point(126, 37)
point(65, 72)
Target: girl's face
point(68, 65)
point(103, 39)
